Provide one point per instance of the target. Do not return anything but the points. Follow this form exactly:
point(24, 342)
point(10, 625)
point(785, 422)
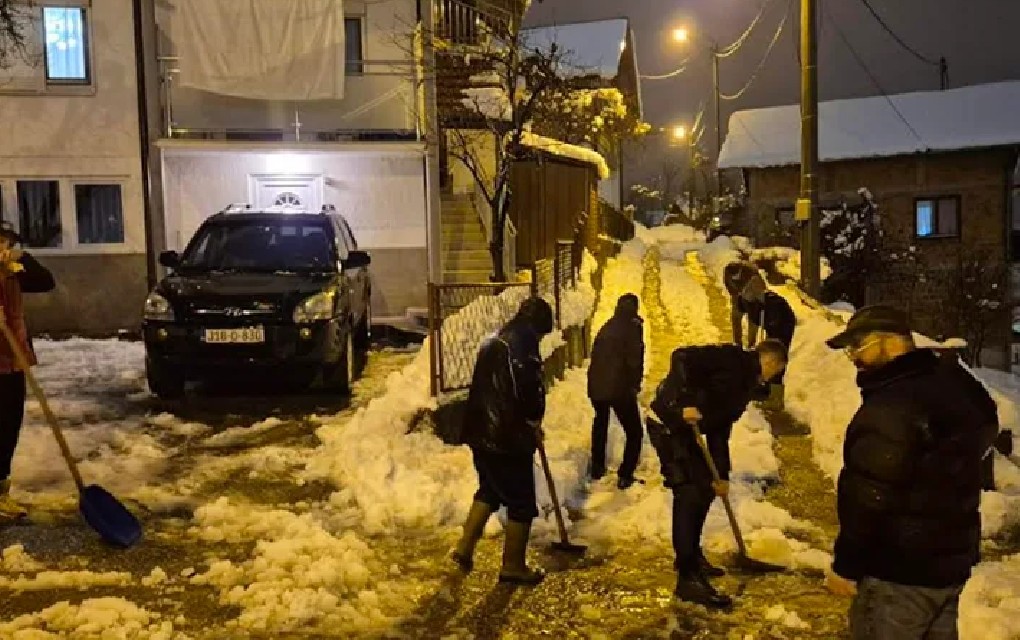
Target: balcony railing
point(188, 114)
point(463, 22)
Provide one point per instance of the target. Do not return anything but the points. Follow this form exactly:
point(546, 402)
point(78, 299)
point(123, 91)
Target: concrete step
point(476, 235)
point(474, 276)
point(455, 245)
point(457, 262)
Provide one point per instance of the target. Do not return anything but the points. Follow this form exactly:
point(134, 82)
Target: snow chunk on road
point(106, 618)
point(778, 613)
point(990, 604)
point(66, 580)
point(14, 559)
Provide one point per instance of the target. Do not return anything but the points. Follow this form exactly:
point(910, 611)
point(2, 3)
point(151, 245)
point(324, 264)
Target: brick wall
point(979, 178)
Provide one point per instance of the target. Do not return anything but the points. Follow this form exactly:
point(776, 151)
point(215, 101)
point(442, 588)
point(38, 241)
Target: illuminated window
point(67, 55)
point(937, 217)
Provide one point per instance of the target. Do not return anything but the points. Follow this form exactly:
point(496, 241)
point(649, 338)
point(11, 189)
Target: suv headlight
point(317, 307)
point(158, 308)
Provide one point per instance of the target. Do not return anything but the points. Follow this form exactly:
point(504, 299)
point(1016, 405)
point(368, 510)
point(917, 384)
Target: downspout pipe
point(144, 143)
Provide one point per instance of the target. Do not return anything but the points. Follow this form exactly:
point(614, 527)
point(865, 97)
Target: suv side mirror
point(357, 260)
point(169, 259)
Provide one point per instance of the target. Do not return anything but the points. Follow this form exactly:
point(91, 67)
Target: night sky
point(979, 38)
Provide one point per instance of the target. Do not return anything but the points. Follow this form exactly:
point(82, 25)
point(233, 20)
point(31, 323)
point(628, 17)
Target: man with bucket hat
point(910, 487)
point(19, 273)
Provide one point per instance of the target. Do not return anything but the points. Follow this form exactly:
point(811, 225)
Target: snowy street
point(282, 517)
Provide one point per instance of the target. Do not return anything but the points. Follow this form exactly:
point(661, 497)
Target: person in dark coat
point(503, 428)
point(910, 487)
point(709, 385)
point(614, 381)
point(20, 273)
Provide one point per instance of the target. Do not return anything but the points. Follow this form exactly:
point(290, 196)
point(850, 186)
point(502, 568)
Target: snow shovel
point(100, 510)
point(563, 544)
point(744, 562)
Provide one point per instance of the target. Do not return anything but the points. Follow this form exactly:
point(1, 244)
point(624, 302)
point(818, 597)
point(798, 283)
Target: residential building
point(71, 176)
point(941, 167)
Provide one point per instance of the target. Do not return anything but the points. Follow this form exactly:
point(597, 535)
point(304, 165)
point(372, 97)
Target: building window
point(100, 213)
point(354, 56)
point(66, 45)
point(39, 212)
point(937, 217)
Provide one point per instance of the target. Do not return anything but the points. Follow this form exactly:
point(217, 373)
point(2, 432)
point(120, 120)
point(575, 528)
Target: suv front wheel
point(165, 382)
point(340, 375)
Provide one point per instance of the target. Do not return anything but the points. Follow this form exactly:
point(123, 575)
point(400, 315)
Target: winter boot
point(9, 509)
point(515, 546)
point(474, 527)
point(626, 482)
point(695, 588)
point(707, 569)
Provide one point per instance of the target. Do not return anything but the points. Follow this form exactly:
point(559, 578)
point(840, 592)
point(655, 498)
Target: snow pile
point(787, 261)
point(113, 618)
point(562, 149)
point(66, 580)
point(778, 613)
point(491, 102)
point(577, 305)
point(301, 576)
point(14, 559)
point(990, 604)
point(676, 240)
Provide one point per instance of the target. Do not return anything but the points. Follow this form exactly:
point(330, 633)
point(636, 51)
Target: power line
point(729, 50)
point(864, 66)
point(897, 38)
point(761, 64)
point(671, 74)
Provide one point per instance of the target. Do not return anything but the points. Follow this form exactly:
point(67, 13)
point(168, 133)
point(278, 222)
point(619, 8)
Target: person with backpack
point(20, 273)
point(909, 492)
point(614, 381)
point(503, 428)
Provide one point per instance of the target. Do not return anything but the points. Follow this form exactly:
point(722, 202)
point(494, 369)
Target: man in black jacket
point(764, 310)
point(503, 427)
point(712, 386)
point(910, 488)
point(614, 380)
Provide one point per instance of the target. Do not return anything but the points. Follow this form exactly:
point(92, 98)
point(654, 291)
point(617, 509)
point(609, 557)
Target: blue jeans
point(888, 611)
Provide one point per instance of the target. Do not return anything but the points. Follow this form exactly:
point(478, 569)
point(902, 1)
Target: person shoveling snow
point(708, 385)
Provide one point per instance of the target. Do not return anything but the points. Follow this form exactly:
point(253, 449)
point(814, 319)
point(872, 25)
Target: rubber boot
point(515, 546)
point(695, 588)
point(474, 528)
point(9, 508)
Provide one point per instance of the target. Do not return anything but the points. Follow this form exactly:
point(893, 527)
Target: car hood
point(272, 292)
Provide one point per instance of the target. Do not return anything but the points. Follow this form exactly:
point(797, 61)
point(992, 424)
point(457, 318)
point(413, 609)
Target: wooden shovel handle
point(552, 493)
point(703, 445)
point(22, 361)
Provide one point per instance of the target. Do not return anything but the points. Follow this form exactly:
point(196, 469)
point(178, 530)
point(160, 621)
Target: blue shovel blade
point(108, 517)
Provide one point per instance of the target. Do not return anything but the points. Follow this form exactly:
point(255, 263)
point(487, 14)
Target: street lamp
point(682, 35)
point(679, 133)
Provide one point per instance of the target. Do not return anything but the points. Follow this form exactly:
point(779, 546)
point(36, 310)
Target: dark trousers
point(629, 415)
point(691, 502)
point(888, 611)
point(12, 413)
point(507, 481)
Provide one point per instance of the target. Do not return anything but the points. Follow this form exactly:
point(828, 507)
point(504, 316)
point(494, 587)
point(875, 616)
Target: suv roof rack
point(237, 207)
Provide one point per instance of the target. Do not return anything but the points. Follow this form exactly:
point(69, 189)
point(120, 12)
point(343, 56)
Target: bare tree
point(601, 118)
point(15, 23)
point(978, 287)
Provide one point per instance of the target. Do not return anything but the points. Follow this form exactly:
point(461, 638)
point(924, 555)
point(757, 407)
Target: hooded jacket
point(35, 278)
point(506, 402)
point(617, 356)
point(773, 314)
point(910, 487)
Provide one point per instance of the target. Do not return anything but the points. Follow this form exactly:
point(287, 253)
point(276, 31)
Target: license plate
point(248, 335)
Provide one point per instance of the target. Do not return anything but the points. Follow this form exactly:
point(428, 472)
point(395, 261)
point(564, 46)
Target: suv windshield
point(262, 245)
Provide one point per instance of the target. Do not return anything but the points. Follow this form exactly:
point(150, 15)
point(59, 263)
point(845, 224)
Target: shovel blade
point(109, 518)
point(750, 565)
point(569, 547)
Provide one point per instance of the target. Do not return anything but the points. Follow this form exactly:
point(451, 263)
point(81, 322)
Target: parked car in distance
point(277, 292)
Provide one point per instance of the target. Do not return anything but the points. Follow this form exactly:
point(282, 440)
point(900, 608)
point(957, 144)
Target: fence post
point(556, 289)
point(433, 339)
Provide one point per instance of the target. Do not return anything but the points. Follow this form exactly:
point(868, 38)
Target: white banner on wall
point(285, 50)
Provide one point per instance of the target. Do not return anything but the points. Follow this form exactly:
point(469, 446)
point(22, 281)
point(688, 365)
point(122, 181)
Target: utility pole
point(807, 203)
point(717, 99)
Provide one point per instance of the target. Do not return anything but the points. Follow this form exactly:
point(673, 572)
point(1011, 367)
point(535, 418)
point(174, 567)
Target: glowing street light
point(681, 34)
point(679, 132)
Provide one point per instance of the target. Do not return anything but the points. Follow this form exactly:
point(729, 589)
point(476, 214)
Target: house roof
point(591, 48)
point(978, 116)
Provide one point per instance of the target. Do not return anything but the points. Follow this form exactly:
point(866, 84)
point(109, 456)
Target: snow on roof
point(978, 116)
point(564, 150)
point(589, 47)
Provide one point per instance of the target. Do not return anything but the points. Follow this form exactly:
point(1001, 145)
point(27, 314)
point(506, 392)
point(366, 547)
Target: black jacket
point(910, 487)
point(720, 381)
point(506, 401)
point(35, 278)
point(736, 275)
point(773, 314)
point(617, 359)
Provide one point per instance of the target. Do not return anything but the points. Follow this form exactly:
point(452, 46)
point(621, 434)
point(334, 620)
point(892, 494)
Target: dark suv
point(277, 293)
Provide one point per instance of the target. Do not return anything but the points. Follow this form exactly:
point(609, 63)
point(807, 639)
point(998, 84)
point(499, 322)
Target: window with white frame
point(99, 211)
point(66, 45)
point(39, 213)
point(354, 46)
